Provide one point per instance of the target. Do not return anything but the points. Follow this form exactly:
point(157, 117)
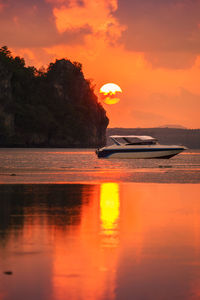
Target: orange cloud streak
point(158, 88)
point(96, 14)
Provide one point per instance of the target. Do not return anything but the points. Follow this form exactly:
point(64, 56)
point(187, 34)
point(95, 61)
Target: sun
point(110, 93)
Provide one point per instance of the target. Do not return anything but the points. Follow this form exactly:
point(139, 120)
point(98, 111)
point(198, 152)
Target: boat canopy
point(133, 139)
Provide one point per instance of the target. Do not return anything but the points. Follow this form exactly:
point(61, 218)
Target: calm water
point(116, 230)
point(64, 166)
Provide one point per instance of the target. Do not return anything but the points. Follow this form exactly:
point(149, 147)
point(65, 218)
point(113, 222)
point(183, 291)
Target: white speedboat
point(138, 146)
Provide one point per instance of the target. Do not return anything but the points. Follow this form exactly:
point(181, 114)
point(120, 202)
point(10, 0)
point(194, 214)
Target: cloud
point(54, 24)
point(32, 24)
point(171, 60)
point(162, 30)
point(3, 4)
point(98, 15)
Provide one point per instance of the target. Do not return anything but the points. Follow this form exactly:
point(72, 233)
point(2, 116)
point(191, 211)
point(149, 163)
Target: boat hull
point(138, 153)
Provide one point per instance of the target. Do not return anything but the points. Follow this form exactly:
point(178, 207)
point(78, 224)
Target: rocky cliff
point(53, 108)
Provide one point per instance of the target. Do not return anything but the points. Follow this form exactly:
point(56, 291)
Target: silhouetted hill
point(173, 126)
point(187, 137)
point(52, 108)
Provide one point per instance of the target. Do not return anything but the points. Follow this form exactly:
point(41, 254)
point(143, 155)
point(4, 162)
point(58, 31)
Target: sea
point(76, 227)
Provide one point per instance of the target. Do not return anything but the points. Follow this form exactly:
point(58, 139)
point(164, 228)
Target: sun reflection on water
point(109, 212)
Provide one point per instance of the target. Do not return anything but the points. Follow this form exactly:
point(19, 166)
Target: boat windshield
point(134, 140)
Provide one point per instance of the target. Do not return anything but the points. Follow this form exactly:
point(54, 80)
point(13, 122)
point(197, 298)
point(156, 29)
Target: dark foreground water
point(130, 230)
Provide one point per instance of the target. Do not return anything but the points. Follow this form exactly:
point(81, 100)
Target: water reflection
point(83, 267)
point(32, 217)
point(109, 241)
point(109, 214)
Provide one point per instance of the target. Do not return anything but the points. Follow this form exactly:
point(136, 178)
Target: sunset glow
point(152, 50)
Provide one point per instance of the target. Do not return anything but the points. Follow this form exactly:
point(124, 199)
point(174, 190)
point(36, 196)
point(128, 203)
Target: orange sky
point(150, 48)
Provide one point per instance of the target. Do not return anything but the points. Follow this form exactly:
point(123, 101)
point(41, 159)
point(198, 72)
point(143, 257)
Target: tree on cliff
point(56, 107)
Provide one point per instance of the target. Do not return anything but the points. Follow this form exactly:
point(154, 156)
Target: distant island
point(56, 107)
point(173, 126)
point(177, 136)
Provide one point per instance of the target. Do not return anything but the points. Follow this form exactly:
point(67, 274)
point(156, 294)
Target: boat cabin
point(127, 140)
